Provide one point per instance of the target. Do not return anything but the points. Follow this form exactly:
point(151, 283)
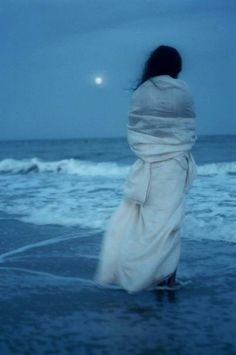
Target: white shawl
point(161, 126)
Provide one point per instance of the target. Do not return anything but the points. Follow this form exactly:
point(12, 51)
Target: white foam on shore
point(217, 168)
point(88, 168)
point(47, 242)
point(66, 166)
point(89, 195)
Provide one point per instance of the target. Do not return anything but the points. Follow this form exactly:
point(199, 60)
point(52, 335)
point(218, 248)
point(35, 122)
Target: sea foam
point(88, 168)
point(81, 193)
point(66, 166)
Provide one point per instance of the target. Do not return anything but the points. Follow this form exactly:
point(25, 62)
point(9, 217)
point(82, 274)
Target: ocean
point(79, 183)
point(56, 199)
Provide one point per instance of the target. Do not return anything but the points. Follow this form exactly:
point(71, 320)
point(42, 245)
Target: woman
point(141, 247)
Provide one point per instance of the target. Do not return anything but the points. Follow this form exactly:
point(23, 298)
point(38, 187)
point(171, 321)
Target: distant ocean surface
point(79, 182)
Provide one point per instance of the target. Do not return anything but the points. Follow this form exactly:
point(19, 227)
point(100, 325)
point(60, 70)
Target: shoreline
point(49, 304)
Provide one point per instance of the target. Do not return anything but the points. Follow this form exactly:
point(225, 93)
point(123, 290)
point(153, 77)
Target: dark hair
point(164, 60)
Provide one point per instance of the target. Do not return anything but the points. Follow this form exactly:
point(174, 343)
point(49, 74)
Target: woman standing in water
point(141, 247)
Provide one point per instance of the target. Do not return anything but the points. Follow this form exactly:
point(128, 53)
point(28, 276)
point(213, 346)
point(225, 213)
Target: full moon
point(98, 80)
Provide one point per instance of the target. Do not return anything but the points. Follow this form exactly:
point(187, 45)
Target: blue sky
point(51, 51)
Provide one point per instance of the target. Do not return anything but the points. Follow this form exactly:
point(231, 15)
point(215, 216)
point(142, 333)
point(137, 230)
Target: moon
point(98, 80)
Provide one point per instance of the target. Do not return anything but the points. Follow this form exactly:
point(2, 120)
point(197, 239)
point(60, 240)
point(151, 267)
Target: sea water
point(56, 197)
point(80, 183)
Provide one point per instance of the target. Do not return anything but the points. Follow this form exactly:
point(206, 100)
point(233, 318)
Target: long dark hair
point(164, 60)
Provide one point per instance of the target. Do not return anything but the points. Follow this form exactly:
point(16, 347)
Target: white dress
point(141, 246)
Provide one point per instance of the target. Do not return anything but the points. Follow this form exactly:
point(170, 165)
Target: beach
point(54, 208)
point(49, 304)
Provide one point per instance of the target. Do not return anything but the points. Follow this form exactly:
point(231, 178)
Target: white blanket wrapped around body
point(161, 127)
point(142, 243)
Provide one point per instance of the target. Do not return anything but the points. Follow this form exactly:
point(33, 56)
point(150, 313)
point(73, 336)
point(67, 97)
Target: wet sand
point(50, 304)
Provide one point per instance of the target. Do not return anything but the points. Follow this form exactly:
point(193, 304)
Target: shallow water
point(49, 303)
point(49, 247)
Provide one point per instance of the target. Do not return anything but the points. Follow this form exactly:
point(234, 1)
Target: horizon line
point(93, 138)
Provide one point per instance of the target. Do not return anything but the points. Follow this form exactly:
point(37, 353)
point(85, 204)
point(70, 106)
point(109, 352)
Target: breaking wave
point(88, 168)
point(66, 166)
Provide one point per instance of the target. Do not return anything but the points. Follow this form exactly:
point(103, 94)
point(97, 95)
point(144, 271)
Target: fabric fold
point(142, 243)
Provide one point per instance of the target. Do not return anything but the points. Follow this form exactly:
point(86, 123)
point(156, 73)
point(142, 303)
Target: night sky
point(67, 67)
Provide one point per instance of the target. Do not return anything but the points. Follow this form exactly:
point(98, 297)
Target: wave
point(217, 168)
point(66, 166)
point(88, 168)
point(194, 227)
